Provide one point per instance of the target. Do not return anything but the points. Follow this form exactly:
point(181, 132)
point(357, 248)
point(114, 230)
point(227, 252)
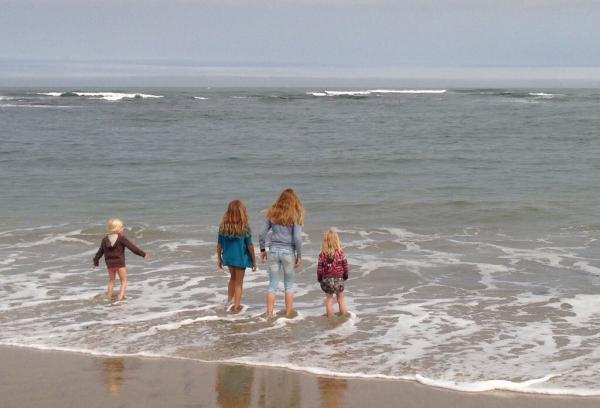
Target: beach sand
point(34, 378)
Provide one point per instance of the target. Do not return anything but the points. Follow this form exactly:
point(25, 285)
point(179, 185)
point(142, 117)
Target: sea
point(470, 219)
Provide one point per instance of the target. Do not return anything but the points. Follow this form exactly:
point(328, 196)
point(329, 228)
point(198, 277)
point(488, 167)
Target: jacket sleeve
point(132, 247)
point(298, 240)
point(262, 236)
point(98, 255)
point(320, 268)
point(345, 267)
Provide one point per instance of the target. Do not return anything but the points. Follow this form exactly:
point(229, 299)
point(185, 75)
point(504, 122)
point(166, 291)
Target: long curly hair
point(287, 209)
point(235, 220)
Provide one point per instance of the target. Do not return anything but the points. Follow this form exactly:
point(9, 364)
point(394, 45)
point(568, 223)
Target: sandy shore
point(33, 378)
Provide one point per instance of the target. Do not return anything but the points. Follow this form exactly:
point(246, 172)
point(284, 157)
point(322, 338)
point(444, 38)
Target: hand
point(220, 263)
point(263, 256)
point(298, 262)
point(147, 256)
point(253, 268)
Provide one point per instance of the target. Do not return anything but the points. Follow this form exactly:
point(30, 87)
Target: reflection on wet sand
point(279, 389)
point(332, 391)
point(234, 386)
point(113, 369)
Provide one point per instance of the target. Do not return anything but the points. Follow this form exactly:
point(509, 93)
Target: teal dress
point(235, 251)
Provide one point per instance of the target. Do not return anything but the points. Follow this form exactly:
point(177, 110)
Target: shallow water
point(468, 217)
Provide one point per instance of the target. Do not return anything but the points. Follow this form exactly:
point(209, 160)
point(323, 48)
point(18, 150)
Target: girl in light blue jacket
point(284, 220)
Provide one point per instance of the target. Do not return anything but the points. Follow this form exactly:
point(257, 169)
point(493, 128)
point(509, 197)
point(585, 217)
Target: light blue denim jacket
point(282, 237)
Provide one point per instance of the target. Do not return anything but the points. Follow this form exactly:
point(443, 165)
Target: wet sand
point(33, 378)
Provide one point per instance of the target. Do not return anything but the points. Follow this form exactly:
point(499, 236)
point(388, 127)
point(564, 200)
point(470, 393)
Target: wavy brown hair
point(287, 209)
point(235, 220)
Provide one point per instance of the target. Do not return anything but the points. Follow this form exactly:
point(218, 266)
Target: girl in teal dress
point(235, 250)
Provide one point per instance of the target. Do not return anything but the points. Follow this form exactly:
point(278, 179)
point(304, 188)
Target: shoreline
point(33, 377)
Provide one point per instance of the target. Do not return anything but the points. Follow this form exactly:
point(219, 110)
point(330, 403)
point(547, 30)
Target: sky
point(375, 34)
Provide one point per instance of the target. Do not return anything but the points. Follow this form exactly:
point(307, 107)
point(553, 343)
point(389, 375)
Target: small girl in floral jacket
point(332, 271)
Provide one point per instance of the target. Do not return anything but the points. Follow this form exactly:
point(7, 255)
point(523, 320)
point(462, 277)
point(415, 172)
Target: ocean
point(469, 218)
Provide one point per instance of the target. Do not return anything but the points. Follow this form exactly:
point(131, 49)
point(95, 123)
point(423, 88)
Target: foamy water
point(468, 217)
point(423, 307)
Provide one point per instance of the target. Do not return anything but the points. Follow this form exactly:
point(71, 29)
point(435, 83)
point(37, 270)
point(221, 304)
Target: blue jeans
point(281, 259)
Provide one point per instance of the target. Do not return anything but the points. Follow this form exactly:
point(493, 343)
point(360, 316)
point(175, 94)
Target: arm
point(250, 249)
point(262, 237)
point(320, 268)
point(252, 255)
point(98, 255)
point(132, 247)
point(345, 268)
point(220, 254)
point(297, 232)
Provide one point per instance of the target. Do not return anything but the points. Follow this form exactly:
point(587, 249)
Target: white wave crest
point(377, 91)
point(174, 246)
point(52, 238)
point(7, 105)
point(410, 91)
point(340, 93)
point(544, 95)
point(108, 96)
point(200, 97)
point(527, 386)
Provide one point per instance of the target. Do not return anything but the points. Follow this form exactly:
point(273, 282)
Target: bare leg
point(289, 303)
point(329, 305)
point(111, 283)
point(270, 303)
point(231, 285)
point(123, 278)
point(342, 304)
point(239, 282)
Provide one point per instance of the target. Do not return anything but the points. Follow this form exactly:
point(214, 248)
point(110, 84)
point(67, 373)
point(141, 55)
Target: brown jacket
point(114, 255)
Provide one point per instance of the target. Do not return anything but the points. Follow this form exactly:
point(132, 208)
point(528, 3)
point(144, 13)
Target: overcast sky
point(355, 33)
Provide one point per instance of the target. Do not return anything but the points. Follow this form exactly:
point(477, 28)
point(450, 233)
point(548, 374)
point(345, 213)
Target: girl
point(284, 219)
point(235, 250)
point(113, 248)
point(332, 271)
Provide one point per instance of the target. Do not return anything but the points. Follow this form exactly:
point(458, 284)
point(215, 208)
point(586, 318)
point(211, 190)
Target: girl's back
point(114, 253)
point(336, 267)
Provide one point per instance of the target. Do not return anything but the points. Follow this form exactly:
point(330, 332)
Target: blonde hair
point(331, 243)
point(113, 225)
point(287, 209)
point(235, 220)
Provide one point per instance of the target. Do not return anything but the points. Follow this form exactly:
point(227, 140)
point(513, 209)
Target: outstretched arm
point(132, 247)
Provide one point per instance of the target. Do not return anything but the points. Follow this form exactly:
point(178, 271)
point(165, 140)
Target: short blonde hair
point(331, 243)
point(113, 225)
